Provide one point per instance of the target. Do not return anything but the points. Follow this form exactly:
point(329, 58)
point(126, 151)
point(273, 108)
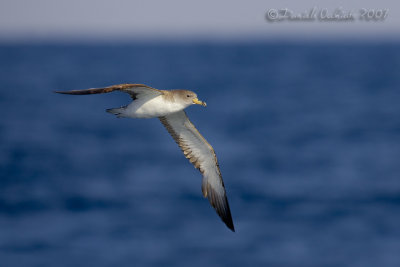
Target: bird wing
point(135, 90)
point(201, 154)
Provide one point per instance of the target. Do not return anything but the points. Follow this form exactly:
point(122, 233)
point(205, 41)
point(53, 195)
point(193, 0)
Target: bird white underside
point(151, 107)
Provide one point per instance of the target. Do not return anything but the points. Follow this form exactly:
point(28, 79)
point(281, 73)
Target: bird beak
point(198, 102)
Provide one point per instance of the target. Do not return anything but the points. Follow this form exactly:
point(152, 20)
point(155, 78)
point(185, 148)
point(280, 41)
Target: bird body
point(168, 106)
point(152, 107)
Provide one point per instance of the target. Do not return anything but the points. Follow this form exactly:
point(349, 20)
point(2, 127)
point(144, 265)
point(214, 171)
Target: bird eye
point(188, 95)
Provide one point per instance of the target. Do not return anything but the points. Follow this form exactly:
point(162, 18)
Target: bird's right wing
point(201, 154)
point(135, 90)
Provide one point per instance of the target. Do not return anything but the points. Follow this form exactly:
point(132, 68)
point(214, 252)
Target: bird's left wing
point(135, 90)
point(201, 154)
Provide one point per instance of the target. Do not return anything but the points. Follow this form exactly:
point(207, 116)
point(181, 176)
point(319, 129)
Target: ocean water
point(307, 137)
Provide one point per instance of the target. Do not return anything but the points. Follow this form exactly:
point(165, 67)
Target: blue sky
point(179, 19)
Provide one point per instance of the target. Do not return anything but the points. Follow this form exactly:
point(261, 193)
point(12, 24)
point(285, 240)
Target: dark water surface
point(307, 136)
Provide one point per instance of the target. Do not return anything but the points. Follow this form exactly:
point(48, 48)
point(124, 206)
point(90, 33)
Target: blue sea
point(307, 136)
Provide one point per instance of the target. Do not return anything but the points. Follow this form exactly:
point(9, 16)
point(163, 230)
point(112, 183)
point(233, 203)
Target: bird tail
point(119, 112)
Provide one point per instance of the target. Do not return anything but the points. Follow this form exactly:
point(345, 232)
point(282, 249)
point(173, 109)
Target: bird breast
point(153, 107)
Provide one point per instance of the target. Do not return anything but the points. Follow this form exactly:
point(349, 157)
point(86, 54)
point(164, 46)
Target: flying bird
point(168, 106)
